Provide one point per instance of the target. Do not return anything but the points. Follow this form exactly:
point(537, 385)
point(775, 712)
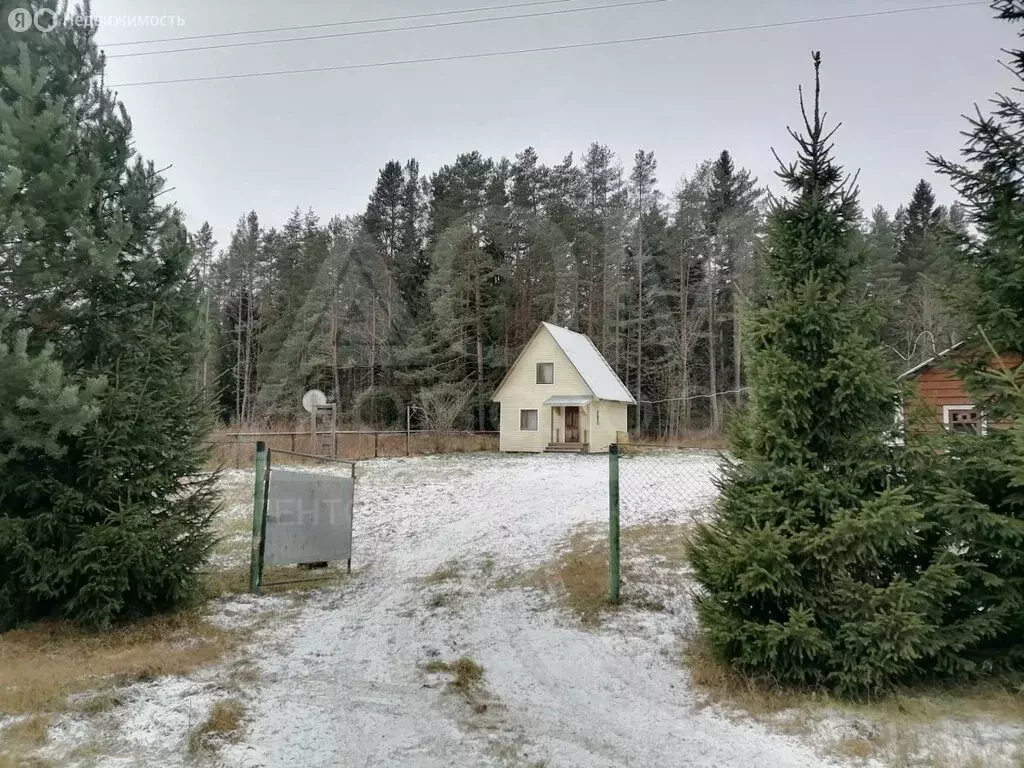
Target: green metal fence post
point(258, 510)
point(613, 523)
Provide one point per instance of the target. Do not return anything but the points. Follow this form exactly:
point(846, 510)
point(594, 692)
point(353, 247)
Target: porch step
point(565, 448)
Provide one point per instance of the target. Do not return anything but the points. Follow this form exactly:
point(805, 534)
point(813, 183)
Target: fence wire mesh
point(667, 485)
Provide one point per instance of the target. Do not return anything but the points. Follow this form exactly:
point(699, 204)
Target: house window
point(528, 421)
point(545, 373)
point(963, 418)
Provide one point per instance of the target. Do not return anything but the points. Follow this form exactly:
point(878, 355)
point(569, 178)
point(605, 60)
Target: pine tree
point(600, 244)
point(241, 280)
point(383, 222)
point(104, 505)
point(203, 244)
point(413, 265)
point(684, 287)
point(464, 268)
point(815, 572)
point(644, 199)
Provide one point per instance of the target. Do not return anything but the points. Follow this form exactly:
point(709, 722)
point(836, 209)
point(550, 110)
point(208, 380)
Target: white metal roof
point(568, 400)
point(590, 364)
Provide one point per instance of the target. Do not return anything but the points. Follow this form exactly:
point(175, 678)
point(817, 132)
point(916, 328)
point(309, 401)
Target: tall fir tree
point(814, 571)
point(105, 513)
point(914, 250)
point(732, 222)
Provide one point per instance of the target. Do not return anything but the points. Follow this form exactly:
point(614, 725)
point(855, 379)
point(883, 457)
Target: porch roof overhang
point(569, 400)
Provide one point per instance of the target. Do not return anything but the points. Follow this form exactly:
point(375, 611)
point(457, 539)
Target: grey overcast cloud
point(899, 83)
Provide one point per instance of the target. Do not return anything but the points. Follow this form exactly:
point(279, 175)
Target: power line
point(324, 25)
point(548, 48)
point(361, 32)
point(694, 397)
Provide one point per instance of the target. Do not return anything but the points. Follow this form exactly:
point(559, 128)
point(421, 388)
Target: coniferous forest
point(428, 295)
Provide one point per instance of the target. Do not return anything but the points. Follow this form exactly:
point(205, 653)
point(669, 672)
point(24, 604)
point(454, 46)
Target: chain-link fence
point(667, 485)
point(655, 494)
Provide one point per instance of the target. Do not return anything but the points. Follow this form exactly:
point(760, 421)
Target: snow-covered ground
point(340, 677)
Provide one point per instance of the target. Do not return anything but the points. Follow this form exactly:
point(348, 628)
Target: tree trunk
point(238, 370)
point(334, 346)
point(373, 361)
point(639, 307)
point(716, 419)
point(206, 341)
point(684, 338)
point(481, 406)
point(247, 362)
point(737, 349)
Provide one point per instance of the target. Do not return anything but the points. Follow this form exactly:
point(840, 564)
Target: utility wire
point(544, 49)
point(361, 32)
point(324, 25)
point(693, 397)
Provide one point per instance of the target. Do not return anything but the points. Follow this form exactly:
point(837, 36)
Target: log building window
point(963, 418)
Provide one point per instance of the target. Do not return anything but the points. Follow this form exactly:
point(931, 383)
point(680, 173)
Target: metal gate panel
point(309, 518)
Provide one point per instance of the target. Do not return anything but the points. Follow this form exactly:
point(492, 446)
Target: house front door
point(572, 424)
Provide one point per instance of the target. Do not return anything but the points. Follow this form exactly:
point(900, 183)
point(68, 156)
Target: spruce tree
point(989, 470)
point(104, 505)
point(816, 571)
point(915, 251)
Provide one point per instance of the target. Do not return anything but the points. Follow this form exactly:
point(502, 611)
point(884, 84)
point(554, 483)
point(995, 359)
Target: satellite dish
point(313, 399)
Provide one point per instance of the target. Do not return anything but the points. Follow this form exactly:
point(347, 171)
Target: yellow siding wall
point(613, 419)
point(521, 391)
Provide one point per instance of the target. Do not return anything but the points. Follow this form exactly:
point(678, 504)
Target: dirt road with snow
point(341, 678)
point(343, 683)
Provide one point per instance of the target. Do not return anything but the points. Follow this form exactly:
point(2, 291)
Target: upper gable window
point(545, 373)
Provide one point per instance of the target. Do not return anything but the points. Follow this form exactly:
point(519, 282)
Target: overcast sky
point(899, 83)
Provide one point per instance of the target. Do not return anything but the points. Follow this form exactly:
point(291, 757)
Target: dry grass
point(579, 574)
point(19, 740)
point(721, 684)
point(855, 748)
point(467, 672)
point(224, 723)
point(235, 581)
point(43, 664)
point(448, 572)
point(466, 679)
point(94, 704)
point(30, 732)
point(899, 730)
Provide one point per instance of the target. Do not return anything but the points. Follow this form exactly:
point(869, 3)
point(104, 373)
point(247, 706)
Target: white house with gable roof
point(561, 395)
